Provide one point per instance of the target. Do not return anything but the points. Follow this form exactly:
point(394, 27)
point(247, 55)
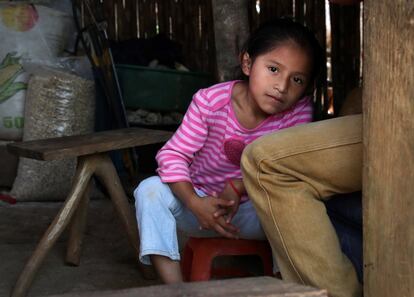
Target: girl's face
point(278, 78)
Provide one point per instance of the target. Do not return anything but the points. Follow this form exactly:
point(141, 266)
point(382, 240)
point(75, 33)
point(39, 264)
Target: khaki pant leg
point(287, 175)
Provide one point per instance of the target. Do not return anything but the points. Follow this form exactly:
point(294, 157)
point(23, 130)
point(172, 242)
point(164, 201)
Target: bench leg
point(77, 228)
point(108, 176)
point(84, 171)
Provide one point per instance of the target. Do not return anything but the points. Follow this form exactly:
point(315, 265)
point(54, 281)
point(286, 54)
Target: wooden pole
point(231, 29)
point(388, 96)
point(84, 171)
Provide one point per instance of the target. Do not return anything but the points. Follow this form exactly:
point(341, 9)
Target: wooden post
point(388, 96)
point(231, 28)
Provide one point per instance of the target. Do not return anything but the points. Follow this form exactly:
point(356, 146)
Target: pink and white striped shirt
point(195, 153)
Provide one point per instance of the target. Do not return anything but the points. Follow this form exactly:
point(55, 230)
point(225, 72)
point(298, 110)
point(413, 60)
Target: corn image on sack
point(28, 32)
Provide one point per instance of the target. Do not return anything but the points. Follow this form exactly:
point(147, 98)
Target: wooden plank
point(147, 18)
point(109, 13)
point(388, 109)
point(210, 64)
point(231, 31)
point(125, 19)
point(318, 25)
point(284, 8)
point(163, 17)
point(80, 145)
point(131, 8)
point(186, 16)
point(299, 10)
point(345, 52)
point(252, 287)
point(192, 33)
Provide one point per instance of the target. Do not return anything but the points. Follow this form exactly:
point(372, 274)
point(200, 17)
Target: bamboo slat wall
point(190, 23)
point(345, 55)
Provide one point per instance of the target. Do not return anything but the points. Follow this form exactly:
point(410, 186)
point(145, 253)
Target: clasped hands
point(216, 212)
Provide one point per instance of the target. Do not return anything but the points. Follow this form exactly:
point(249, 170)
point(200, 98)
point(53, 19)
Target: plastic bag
point(35, 32)
point(28, 33)
point(58, 104)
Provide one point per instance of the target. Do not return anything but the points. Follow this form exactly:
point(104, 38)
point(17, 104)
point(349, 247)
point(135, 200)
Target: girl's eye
point(298, 80)
point(273, 69)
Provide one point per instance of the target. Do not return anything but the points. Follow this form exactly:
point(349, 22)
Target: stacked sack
point(31, 100)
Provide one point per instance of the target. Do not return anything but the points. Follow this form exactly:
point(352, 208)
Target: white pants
point(159, 213)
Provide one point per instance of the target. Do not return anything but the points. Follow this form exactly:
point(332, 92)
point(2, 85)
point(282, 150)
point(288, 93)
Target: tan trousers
point(287, 175)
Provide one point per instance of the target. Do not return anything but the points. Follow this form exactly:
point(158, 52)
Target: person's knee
point(271, 146)
point(148, 189)
point(258, 152)
point(249, 158)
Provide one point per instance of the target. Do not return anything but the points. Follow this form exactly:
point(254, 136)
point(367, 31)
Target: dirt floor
point(107, 260)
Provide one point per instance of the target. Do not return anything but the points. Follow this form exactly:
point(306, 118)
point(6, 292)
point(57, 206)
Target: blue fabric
point(345, 212)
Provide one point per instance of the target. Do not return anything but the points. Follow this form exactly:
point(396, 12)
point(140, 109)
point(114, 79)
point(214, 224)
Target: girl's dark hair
point(277, 31)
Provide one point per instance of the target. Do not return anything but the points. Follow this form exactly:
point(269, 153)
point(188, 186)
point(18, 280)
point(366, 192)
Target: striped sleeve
point(301, 113)
point(175, 157)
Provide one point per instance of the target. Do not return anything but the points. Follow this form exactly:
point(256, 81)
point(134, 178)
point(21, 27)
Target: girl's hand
point(205, 208)
point(230, 194)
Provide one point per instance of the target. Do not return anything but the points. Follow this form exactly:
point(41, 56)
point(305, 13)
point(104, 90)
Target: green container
point(158, 89)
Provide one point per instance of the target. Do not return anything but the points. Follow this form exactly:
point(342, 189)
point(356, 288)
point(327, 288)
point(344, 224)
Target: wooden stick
point(84, 171)
point(77, 228)
point(107, 174)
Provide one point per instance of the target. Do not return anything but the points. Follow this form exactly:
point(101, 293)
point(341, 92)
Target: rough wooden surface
point(76, 230)
point(388, 148)
point(252, 286)
point(231, 27)
point(79, 145)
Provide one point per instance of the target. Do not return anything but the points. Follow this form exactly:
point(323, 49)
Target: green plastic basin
point(158, 89)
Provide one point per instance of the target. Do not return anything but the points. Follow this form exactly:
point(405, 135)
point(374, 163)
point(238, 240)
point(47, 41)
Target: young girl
point(199, 189)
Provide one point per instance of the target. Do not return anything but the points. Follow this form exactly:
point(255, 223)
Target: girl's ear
point(246, 63)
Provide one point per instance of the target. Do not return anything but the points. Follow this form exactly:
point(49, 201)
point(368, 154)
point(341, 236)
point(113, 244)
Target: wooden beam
point(239, 287)
point(388, 185)
point(87, 144)
point(231, 29)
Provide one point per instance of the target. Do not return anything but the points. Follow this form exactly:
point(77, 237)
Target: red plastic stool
point(199, 253)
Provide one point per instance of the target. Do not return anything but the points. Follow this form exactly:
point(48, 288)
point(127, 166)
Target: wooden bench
point(239, 287)
point(92, 159)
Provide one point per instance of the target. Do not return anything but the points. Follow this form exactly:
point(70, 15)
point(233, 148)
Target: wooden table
point(92, 159)
point(240, 287)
